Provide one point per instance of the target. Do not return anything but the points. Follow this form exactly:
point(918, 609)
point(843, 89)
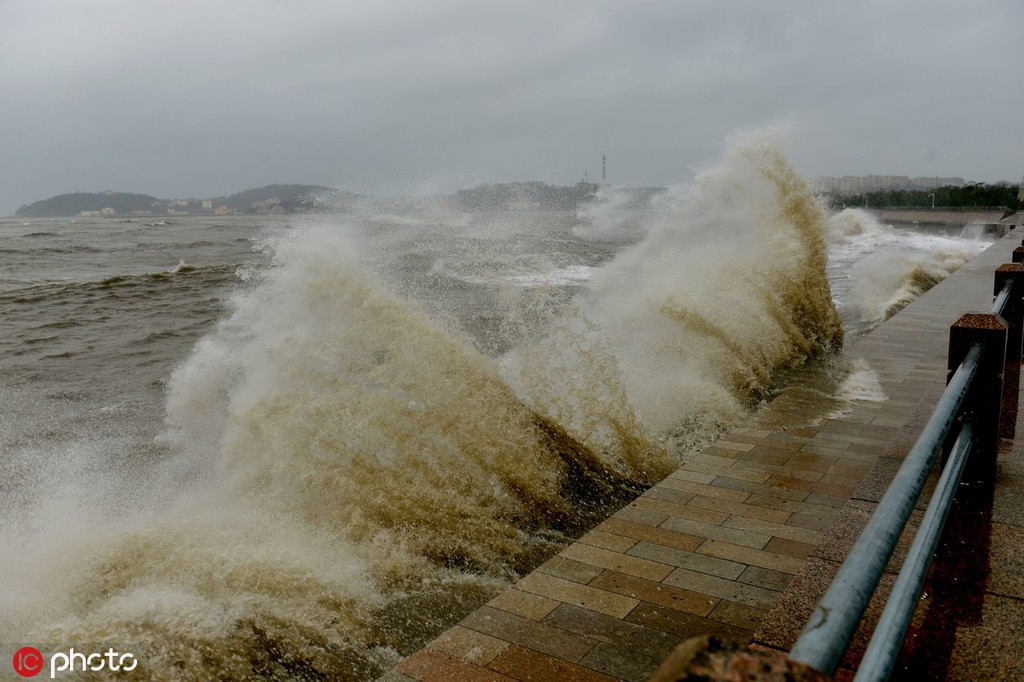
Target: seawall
point(947, 220)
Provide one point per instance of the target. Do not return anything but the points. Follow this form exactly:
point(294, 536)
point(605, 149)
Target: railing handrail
point(827, 634)
point(985, 355)
point(1003, 297)
point(887, 640)
point(976, 340)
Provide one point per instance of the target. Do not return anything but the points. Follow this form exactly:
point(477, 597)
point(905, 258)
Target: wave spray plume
point(356, 476)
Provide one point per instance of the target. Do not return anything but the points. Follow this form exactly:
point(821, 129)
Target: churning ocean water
point(298, 448)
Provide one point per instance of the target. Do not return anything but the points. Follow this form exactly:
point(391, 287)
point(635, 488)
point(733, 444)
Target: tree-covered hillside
point(972, 195)
point(72, 204)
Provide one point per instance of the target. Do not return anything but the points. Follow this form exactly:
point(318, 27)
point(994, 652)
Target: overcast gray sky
point(198, 98)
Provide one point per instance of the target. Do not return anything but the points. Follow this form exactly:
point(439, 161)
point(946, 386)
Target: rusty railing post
point(1013, 312)
point(984, 401)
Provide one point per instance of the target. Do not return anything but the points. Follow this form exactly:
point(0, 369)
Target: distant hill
point(295, 197)
point(266, 199)
point(282, 199)
point(73, 204)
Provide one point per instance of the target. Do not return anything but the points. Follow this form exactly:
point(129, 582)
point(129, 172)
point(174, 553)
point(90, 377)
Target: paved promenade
point(743, 538)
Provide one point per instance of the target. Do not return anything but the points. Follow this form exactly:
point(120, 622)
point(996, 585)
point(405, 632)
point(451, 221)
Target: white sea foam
point(883, 269)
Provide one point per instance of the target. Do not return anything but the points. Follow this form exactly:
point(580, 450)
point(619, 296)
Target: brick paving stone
point(584, 596)
point(692, 465)
point(524, 664)
point(691, 560)
point(793, 548)
point(667, 495)
point(599, 538)
point(568, 569)
point(759, 467)
point(738, 508)
point(811, 461)
point(674, 510)
point(722, 588)
point(779, 441)
point(766, 455)
point(658, 536)
point(754, 539)
point(469, 646)
point(655, 593)
point(751, 557)
point(523, 604)
point(791, 477)
point(827, 448)
point(745, 475)
point(692, 476)
point(856, 470)
point(797, 507)
point(810, 521)
point(747, 617)
point(667, 507)
point(528, 633)
point(835, 426)
point(433, 666)
point(623, 563)
point(632, 512)
point(730, 443)
point(760, 488)
point(704, 489)
point(623, 663)
point(712, 460)
point(684, 625)
point(766, 578)
point(778, 530)
point(889, 421)
point(598, 627)
point(826, 500)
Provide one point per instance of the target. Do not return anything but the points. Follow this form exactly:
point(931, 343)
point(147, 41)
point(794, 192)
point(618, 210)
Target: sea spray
point(726, 288)
point(614, 215)
point(887, 268)
point(329, 387)
point(358, 474)
point(352, 457)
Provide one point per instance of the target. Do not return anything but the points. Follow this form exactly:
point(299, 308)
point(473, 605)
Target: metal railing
point(980, 347)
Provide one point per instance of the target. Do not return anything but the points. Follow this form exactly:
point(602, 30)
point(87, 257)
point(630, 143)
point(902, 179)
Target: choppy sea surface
point(298, 447)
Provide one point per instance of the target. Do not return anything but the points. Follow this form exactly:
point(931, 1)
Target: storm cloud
point(197, 98)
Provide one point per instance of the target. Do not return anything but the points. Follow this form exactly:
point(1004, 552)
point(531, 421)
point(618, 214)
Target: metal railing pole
point(999, 304)
point(828, 632)
point(1011, 306)
point(887, 640)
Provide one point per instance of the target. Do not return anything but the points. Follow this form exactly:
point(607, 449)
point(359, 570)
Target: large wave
point(888, 268)
point(354, 475)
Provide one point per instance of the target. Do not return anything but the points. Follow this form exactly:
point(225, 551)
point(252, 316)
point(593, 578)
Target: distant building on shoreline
point(859, 184)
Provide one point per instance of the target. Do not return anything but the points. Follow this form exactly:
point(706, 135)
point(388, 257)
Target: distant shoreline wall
point(946, 219)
